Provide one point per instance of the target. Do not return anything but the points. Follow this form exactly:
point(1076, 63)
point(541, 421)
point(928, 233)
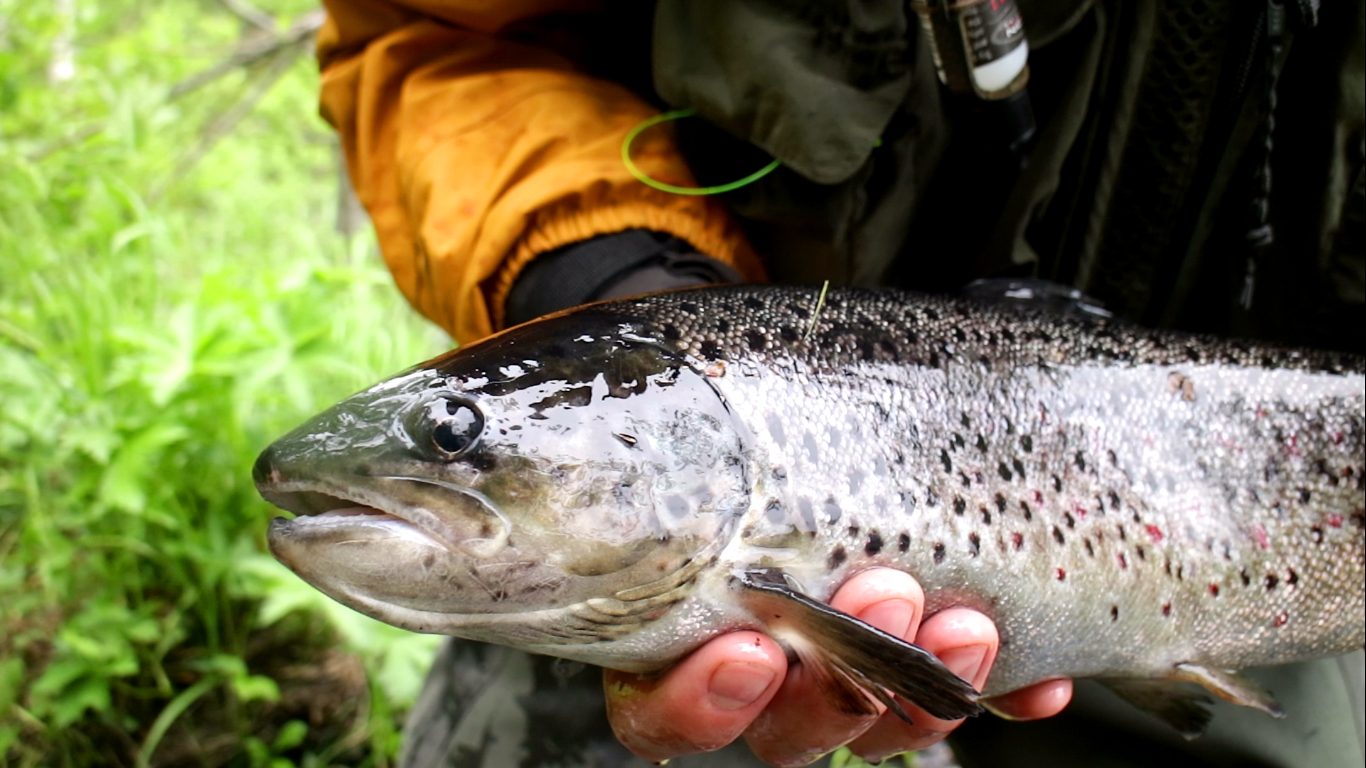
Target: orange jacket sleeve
point(473, 152)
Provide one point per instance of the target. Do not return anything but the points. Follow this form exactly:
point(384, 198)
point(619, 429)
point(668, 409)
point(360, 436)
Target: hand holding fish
point(741, 684)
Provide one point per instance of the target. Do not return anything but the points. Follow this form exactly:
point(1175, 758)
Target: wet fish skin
point(1118, 500)
point(1123, 503)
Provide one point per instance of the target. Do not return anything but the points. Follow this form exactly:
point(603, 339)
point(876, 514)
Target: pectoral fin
point(853, 661)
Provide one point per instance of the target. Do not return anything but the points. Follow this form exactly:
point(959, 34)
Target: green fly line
point(639, 174)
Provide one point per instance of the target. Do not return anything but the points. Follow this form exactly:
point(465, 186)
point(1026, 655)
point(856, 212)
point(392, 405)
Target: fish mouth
point(452, 517)
point(316, 506)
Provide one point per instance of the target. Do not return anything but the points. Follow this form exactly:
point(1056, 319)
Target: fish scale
point(1167, 499)
point(619, 483)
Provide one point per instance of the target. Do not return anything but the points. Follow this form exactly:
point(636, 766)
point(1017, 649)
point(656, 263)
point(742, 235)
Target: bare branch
point(250, 14)
point(253, 49)
point(228, 119)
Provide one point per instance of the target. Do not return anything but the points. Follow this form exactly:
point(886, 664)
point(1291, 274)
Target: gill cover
point(560, 483)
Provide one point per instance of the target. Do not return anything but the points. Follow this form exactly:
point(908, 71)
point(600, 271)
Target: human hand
point(741, 684)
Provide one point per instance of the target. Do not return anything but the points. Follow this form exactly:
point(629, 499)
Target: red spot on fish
point(1335, 520)
point(1016, 540)
point(1337, 438)
point(1294, 447)
point(1061, 574)
point(1079, 509)
point(1259, 533)
point(1214, 590)
point(1280, 620)
point(1038, 497)
point(1154, 533)
point(1123, 561)
point(1167, 609)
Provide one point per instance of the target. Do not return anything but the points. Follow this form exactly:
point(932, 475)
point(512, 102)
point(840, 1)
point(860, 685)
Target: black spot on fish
point(1317, 534)
point(837, 558)
point(912, 337)
point(723, 326)
point(853, 531)
point(931, 314)
point(671, 332)
point(1114, 500)
point(957, 441)
point(1057, 484)
point(938, 554)
point(1071, 521)
point(931, 499)
point(481, 461)
point(934, 359)
point(1114, 460)
point(1024, 507)
point(1057, 535)
point(1090, 550)
point(801, 312)
point(959, 505)
point(944, 459)
point(1242, 575)
point(986, 516)
point(903, 542)
point(1019, 468)
point(1081, 461)
point(964, 420)
point(709, 350)
point(1027, 443)
point(755, 340)
point(1004, 471)
point(874, 544)
point(1291, 578)
point(1271, 581)
point(429, 561)
point(788, 333)
point(1138, 550)
point(967, 482)
point(974, 544)
point(981, 444)
point(1114, 613)
point(1001, 503)
point(753, 303)
point(1122, 535)
point(1304, 495)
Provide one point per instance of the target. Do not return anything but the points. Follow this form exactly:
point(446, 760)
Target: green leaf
point(291, 735)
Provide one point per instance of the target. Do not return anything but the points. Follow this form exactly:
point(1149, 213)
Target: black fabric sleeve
point(619, 264)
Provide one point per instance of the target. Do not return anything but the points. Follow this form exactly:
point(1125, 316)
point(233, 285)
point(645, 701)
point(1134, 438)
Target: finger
point(800, 724)
point(1039, 700)
point(966, 641)
point(702, 704)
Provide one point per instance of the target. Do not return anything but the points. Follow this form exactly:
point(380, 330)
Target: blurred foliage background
point(175, 291)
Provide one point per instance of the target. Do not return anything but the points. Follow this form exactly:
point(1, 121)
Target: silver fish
point(619, 483)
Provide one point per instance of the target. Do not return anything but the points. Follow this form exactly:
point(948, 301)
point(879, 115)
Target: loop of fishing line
point(640, 175)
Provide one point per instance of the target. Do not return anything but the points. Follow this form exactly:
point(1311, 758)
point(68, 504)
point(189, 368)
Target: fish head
point(495, 491)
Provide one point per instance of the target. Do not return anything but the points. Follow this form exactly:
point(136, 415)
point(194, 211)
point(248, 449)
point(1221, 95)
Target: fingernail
point(890, 616)
point(736, 685)
point(965, 662)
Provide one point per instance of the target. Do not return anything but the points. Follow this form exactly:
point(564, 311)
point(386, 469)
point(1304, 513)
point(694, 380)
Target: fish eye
point(458, 424)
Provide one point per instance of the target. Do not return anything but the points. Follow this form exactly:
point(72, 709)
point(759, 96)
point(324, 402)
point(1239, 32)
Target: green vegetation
point(173, 295)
